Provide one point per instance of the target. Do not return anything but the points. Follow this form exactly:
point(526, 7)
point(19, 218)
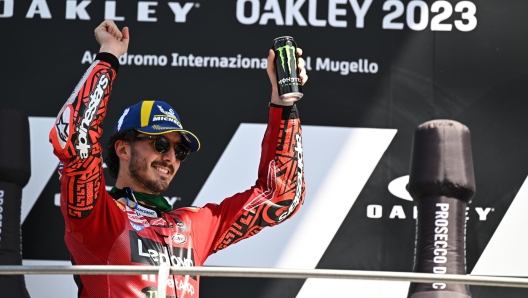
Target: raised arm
point(278, 192)
point(77, 131)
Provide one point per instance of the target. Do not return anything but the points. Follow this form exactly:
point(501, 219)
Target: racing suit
point(103, 230)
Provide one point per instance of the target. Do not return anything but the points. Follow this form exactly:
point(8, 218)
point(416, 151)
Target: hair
point(112, 160)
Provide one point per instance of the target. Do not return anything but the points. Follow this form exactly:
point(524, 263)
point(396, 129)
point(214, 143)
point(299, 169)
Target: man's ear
point(122, 149)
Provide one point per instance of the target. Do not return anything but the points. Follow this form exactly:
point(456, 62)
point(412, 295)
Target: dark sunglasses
point(162, 145)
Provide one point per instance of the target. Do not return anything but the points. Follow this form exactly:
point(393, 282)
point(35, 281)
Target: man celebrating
point(133, 224)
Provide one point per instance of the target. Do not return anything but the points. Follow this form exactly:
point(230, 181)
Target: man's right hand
point(111, 39)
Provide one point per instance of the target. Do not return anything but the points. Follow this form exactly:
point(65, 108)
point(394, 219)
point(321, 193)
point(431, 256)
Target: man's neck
point(146, 204)
point(122, 182)
point(147, 200)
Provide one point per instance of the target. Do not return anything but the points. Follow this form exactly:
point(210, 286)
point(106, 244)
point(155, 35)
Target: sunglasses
point(162, 145)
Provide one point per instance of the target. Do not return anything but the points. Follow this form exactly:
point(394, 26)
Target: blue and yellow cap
point(155, 117)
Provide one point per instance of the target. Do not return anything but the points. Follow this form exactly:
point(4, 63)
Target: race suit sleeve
point(76, 142)
point(276, 196)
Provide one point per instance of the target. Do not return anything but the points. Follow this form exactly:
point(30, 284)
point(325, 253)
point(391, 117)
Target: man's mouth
point(163, 168)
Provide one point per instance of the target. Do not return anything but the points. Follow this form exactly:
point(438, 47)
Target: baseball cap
point(155, 117)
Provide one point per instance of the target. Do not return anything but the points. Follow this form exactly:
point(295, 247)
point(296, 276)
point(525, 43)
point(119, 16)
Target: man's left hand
point(273, 77)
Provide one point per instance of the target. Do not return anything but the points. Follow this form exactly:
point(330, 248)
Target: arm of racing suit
point(76, 142)
point(276, 196)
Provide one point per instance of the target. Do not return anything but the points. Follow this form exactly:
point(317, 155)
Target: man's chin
point(162, 184)
point(156, 185)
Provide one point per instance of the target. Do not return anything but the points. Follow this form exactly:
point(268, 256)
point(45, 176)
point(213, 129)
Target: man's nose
point(170, 155)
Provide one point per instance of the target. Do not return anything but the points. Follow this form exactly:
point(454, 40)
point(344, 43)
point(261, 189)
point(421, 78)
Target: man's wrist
point(109, 58)
point(104, 49)
point(276, 100)
point(288, 112)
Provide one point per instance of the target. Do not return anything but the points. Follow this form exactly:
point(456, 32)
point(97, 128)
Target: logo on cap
point(120, 121)
point(168, 116)
point(155, 117)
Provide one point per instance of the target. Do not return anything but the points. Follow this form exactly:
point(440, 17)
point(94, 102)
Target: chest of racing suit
point(101, 230)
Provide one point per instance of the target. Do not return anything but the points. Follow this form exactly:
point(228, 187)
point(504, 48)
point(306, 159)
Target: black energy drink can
point(288, 79)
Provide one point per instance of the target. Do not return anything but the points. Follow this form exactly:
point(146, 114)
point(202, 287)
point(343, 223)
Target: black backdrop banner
point(385, 65)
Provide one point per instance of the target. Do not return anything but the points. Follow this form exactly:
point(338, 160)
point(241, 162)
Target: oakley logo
point(397, 188)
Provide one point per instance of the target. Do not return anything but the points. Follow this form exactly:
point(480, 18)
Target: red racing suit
point(101, 230)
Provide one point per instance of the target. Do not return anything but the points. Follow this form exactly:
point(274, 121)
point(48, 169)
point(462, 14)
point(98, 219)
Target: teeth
point(165, 171)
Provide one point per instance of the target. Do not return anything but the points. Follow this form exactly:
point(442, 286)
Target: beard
point(139, 169)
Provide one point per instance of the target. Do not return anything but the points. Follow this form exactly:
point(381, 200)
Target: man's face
point(150, 170)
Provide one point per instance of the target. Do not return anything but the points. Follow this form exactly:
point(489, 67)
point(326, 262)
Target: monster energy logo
point(151, 292)
point(288, 55)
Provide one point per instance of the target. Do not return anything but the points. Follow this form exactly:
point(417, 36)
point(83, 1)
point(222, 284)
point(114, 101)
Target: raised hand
point(111, 39)
point(273, 77)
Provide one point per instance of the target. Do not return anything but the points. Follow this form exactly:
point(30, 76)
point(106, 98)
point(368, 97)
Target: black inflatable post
point(15, 170)
point(441, 183)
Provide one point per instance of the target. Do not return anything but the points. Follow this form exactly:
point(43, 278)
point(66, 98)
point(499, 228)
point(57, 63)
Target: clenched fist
point(111, 39)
